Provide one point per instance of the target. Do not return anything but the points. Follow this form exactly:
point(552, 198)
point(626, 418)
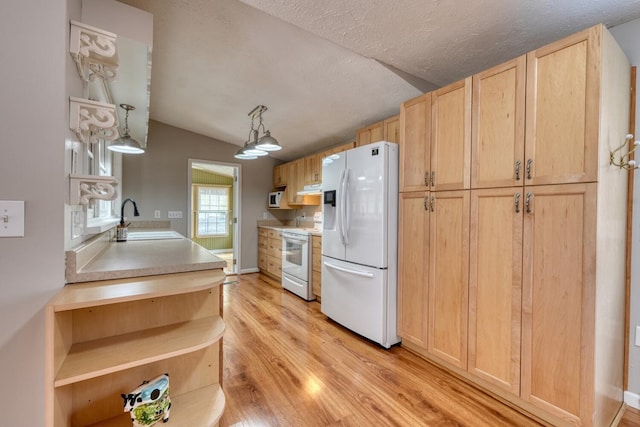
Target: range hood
point(311, 190)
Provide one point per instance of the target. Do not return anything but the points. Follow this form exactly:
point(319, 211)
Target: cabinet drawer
point(263, 243)
point(262, 260)
point(263, 232)
point(275, 253)
point(275, 267)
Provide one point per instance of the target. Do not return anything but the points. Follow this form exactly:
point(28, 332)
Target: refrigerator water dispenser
point(329, 209)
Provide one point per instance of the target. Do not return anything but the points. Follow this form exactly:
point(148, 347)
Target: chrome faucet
point(135, 210)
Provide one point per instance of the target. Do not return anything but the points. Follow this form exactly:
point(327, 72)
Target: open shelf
point(202, 407)
point(104, 356)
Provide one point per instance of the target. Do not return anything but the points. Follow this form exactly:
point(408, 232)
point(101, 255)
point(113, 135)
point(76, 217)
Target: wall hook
point(624, 162)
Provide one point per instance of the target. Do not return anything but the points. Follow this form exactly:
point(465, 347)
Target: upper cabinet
point(563, 98)
point(313, 169)
point(280, 175)
point(415, 134)
point(451, 136)
point(497, 143)
point(385, 130)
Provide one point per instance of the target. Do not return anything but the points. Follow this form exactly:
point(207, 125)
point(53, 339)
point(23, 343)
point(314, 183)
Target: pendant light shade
point(126, 144)
point(257, 146)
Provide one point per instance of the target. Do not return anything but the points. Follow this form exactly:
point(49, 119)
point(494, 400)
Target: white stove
point(296, 262)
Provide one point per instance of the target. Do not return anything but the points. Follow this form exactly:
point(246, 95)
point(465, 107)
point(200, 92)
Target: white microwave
point(274, 199)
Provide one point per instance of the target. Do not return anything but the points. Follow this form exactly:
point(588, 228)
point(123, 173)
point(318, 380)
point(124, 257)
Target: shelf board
point(95, 358)
point(92, 294)
point(202, 408)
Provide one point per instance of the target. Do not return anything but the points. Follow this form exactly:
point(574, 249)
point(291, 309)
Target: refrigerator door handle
point(348, 270)
point(346, 224)
point(340, 202)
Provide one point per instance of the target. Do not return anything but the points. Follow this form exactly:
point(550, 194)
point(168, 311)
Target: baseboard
point(249, 270)
point(632, 400)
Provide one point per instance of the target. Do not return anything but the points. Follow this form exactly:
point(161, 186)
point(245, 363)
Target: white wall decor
point(94, 51)
point(92, 120)
point(84, 188)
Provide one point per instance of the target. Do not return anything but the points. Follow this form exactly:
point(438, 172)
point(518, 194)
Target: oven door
point(295, 256)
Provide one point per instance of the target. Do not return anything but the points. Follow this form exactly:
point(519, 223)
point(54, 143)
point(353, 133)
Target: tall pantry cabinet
point(546, 236)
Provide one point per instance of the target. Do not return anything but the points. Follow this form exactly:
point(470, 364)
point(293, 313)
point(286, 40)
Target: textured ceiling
point(325, 68)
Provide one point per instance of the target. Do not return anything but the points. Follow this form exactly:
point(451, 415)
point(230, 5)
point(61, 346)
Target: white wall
point(33, 119)
point(628, 36)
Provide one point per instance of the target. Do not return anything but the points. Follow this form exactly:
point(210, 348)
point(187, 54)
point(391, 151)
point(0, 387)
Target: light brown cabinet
point(495, 286)
point(274, 254)
point(392, 129)
point(280, 175)
point(316, 270)
point(413, 262)
point(451, 136)
point(448, 282)
point(545, 273)
point(415, 136)
point(498, 126)
point(369, 134)
point(313, 169)
point(385, 130)
point(105, 337)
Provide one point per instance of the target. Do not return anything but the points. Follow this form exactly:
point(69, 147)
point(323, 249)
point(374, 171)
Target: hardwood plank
point(286, 364)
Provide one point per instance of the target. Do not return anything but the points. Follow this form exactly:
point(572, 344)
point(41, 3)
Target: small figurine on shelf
point(150, 402)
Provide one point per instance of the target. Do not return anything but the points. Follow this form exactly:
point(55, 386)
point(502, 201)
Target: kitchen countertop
point(312, 231)
point(102, 258)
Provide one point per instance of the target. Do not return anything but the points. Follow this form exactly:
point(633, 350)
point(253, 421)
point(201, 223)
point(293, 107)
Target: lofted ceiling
point(325, 68)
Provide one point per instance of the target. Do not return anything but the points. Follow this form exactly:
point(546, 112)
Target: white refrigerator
point(360, 240)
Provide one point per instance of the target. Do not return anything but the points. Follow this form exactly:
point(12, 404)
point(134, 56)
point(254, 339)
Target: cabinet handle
point(518, 163)
point(433, 178)
point(426, 200)
point(432, 201)
point(517, 202)
point(529, 162)
point(426, 179)
point(527, 202)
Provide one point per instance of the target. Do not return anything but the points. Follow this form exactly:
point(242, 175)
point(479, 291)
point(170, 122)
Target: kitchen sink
point(153, 235)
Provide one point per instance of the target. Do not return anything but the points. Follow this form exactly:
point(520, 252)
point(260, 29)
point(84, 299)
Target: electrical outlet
point(265, 215)
point(156, 214)
point(638, 336)
point(175, 214)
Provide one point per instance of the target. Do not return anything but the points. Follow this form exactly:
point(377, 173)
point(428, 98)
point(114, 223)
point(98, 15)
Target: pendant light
point(257, 146)
point(126, 144)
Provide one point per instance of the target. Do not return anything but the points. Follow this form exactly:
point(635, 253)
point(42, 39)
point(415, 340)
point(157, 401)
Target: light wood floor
point(285, 364)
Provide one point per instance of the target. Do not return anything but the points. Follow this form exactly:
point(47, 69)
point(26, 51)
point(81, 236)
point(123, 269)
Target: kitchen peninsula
point(129, 312)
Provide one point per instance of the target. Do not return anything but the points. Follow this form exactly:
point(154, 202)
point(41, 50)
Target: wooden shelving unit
point(104, 338)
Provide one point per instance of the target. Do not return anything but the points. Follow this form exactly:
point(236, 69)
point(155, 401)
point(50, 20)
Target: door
point(415, 134)
point(449, 276)
point(451, 136)
point(332, 174)
point(497, 142)
point(369, 202)
point(563, 95)
point(495, 286)
point(558, 298)
point(413, 262)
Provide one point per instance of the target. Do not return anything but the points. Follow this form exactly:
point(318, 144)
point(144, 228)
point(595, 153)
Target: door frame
point(237, 205)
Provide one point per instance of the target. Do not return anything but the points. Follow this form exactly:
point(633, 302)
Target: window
point(211, 212)
point(99, 162)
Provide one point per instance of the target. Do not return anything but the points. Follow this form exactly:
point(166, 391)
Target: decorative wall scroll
point(84, 188)
point(92, 120)
point(94, 51)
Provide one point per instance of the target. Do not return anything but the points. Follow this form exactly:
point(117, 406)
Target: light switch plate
point(11, 218)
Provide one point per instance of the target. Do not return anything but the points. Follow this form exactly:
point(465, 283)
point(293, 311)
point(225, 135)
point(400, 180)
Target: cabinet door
point(495, 286)
point(295, 181)
point(413, 261)
point(558, 298)
point(451, 136)
point(363, 137)
point(280, 176)
point(415, 133)
point(562, 110)
point(312, 169)
point(449, 276)
point(392, 129)
point(497, 140)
